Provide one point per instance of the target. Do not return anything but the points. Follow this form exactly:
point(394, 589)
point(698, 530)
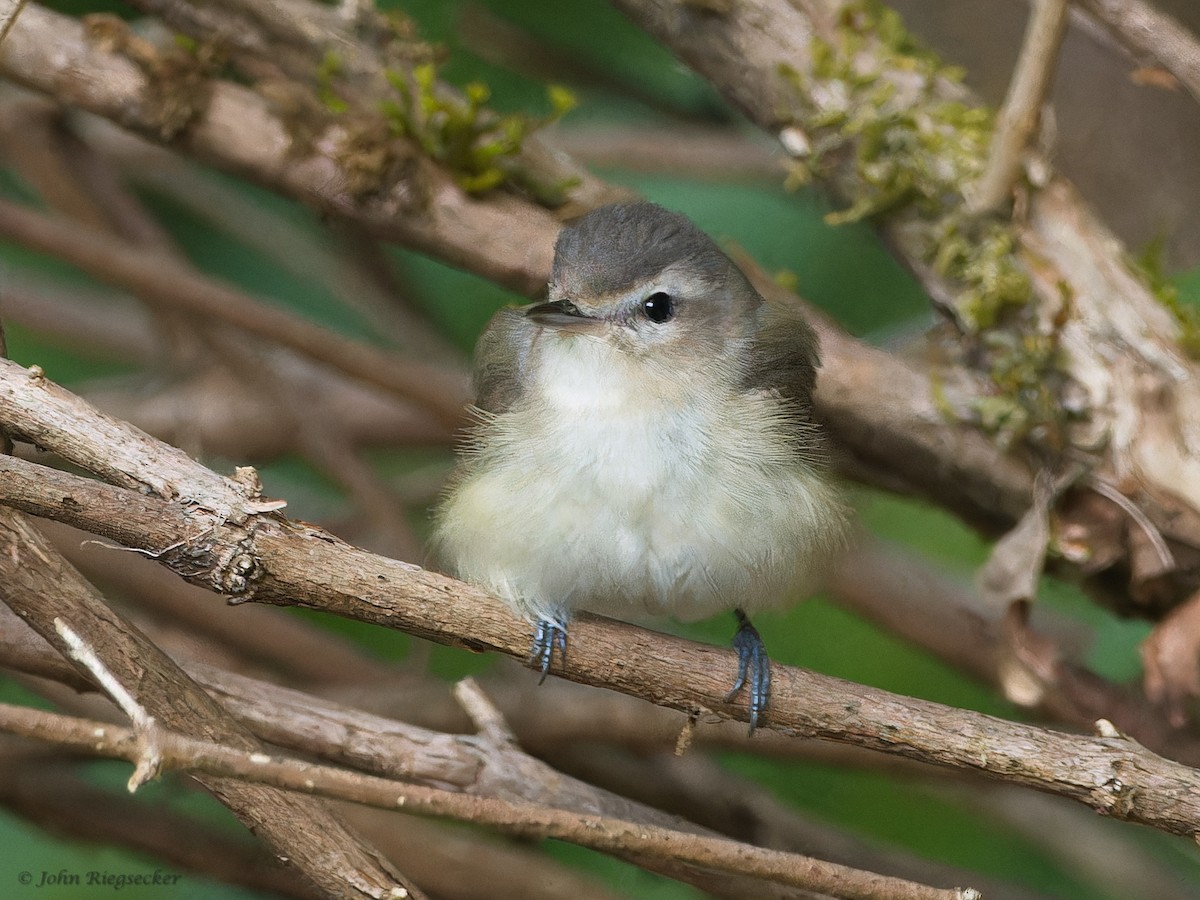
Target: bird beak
point(559, 314)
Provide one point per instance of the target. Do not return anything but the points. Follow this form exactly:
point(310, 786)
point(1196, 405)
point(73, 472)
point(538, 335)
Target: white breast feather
point(600, 491)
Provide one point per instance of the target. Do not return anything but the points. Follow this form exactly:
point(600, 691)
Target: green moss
point(178, 76)
point(903, 147)
point(388, 122)
point(1150, 266)
point(327, 73)
point(1026, 369)
point(458, 129)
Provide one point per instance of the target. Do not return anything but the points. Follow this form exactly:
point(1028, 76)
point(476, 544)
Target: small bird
point(644, 444)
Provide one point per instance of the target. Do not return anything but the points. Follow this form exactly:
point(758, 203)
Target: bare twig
point(50, 796)
point(9, 11)
point(276, 561)
point(440, 392)
point(179, 752)
point(910, 598)
point(1151, 34)
point(1023, 106)
point(42, 588)
point(487, 719)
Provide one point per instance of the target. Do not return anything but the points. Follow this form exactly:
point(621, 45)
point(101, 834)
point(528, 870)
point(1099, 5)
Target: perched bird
point(644, 443)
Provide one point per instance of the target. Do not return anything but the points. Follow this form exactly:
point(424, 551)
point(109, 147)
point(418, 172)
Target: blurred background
point(646, 122)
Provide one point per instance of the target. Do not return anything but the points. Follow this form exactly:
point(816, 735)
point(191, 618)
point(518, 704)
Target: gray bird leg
point(754, 667)
point(548, 635)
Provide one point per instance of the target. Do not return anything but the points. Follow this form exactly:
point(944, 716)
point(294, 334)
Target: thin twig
point(1111, 774)
point(441, 392)
point(43, 589)
point(1022, 107)
point(485, 716)
point(80, 651)
point(53, 798)
point(527, 821)
point(8, 15)
point(1152, 34)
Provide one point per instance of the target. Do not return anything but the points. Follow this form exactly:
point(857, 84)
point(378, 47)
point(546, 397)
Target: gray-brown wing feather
point(785, 357)
point(500, 358)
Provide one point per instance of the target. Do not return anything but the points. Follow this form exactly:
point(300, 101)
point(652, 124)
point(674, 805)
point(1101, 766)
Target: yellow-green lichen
point(328, 71)
point(1027, 371)
point(178, 76)
point(478, 145)
point(890, 124)
point(408, 110)
point(1149, 265)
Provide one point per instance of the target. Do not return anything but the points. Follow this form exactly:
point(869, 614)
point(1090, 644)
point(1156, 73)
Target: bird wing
point(784, 357)
point(500, 356)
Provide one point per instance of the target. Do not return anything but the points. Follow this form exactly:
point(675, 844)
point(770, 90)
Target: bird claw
point(754, 668)
point(548, 634)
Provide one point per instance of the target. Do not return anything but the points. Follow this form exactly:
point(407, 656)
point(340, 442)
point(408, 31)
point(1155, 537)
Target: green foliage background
point(843, 270)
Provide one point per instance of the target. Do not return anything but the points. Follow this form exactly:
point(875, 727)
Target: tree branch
point(273, 561)
point(178, 752)
point(501, 237)
point(55, 600)
point(171, 285)
point(1151, 34)
point(1023, 106)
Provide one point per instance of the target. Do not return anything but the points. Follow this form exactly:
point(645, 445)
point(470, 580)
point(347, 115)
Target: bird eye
point(658, 307)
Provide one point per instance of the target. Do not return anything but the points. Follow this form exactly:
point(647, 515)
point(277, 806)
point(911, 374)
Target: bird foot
point(548, 635)
point(754, 668)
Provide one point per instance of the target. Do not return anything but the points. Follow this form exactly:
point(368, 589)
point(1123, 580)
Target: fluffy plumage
point(631, 467)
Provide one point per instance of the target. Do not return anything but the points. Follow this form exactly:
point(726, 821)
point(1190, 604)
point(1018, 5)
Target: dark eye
point(658, 307)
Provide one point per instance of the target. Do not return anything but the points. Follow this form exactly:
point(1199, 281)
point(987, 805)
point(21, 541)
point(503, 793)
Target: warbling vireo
point(644, 443)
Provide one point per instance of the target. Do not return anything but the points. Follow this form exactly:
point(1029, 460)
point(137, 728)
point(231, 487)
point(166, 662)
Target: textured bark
point(45, 591)
point(299, 565)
